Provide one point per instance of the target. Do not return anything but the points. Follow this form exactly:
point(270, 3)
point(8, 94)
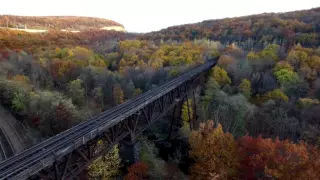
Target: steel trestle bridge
point(65, 155)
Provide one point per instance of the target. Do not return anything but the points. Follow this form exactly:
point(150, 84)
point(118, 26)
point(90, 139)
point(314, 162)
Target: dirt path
point(7, 122)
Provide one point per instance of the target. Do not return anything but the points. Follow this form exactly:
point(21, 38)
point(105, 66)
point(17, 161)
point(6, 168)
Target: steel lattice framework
point(68, 153)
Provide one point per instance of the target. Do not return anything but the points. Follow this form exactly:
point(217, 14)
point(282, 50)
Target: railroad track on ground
point(5, 147)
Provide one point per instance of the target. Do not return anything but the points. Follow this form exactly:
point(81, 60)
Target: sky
point(152, 15)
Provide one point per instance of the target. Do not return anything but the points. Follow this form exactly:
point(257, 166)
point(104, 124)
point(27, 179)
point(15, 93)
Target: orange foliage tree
point(225, 60)
point(137, 171)
point(21, 78)
point(214, 151)
point(60, 67)
point(218, 156)
point(263, 158)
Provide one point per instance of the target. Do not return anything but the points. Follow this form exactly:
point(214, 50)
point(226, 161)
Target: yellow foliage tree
point(307, 102)
point(309, 73)
point(245, 88)
point(314, 63)
point(137, 92)
point(82, 53)
point(283, 65)
point(252, 56)
point(296, 58)
point(106, 167)
point(271, 51)
point(185, 113)
point(276, 94)
point(221, 76)
point(215, 153)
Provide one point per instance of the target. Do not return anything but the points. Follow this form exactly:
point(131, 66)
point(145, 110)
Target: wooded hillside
point(256, 31)
point(55, 22)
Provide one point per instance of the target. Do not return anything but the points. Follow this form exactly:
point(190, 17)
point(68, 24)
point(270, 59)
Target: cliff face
point(116, 28)
point(57, 22)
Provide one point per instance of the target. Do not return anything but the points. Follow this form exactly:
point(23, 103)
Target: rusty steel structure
point(68, 153)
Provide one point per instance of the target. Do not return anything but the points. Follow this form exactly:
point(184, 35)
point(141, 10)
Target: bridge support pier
point(172, 124)
point(194, 107)
point(129, 151)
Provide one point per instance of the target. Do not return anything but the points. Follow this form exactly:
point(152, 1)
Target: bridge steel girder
point(68, 153)
point(76, 161)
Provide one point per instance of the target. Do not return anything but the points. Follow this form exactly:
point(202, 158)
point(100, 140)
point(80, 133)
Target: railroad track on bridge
point(43, 155)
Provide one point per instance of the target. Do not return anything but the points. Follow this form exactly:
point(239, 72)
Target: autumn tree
point(297, 90)
point(233, 50)
point(214, 152)
point(19, 102)
point(76, 91)
point(59, 67)
point(137, 171)
point(245, 88)
point(137, 92)
point(63, 118)
point(221, 76)
point(225, 60)
point(148, 154)
point(218, 156)
point(268, 158)
point(252, 56)
point(87, 76)
point(296, 58)
point(175, 55)
point(308, 73)
point(229, 110)
point(99, 96)
point(276, 94)
point(52, 112)
point(187, 112)
point(83, 54)
point(118, 96)
point(107, 166)
point(21, 79)
point(271, 51)
point(211, 87)
point(283, 65)
point(307, 102)
point(314, 62)
point(285, 77)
